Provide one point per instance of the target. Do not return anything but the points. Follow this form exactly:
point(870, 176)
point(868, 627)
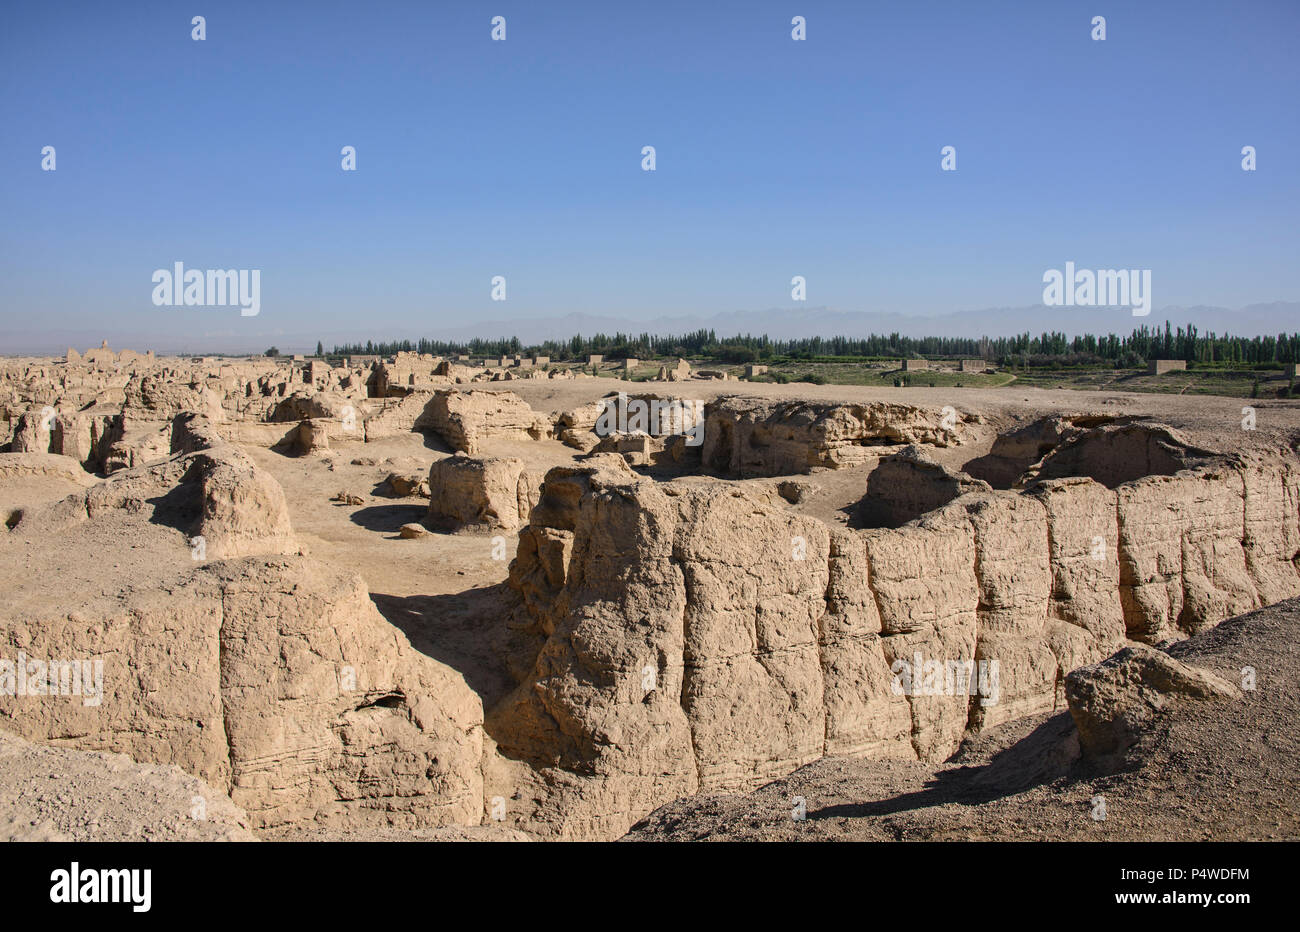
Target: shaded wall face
point(1114, 457)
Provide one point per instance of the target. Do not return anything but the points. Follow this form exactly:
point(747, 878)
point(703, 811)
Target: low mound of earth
point(57, 794)
point(309, 832)
point(28, 479)
point(1218, 770)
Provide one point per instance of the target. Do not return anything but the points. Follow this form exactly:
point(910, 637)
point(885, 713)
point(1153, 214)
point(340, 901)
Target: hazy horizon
point(775, 323)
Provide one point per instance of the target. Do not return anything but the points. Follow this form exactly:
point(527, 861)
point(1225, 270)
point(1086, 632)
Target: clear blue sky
point(522, 158)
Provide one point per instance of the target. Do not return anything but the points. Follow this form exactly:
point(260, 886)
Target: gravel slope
point(56, 794)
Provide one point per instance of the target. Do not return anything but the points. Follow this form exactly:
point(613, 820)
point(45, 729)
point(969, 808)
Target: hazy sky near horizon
point(523, 158)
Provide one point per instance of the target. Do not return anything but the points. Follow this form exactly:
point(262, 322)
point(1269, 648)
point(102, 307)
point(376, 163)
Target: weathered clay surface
point(1114, 702)
point(595, 731)
point(788, 653)
point(465, 419)
point(216, 494)
point(151, 398)
point(48, 465)
point(488, 492)
point(273, 678)
point(1182, 563)
point(1271, 487)
point(758, 437)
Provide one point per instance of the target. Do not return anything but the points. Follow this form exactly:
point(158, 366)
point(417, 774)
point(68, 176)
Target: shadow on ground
point(467, 631)
point(388, 517)
point(1045, 754)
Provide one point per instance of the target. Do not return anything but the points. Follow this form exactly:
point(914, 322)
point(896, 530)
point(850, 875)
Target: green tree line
point(1024, 349)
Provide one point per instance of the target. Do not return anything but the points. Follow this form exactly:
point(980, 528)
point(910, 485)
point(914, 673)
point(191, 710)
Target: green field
point(849, 373)
point(1241, 382)
point(1233, 383)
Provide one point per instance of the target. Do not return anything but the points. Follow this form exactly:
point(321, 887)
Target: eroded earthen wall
point(771, 640)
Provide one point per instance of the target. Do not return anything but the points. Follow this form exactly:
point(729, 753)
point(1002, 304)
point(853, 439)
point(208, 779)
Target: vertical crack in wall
point(679, 565)
point(221, 693)
point(821, 646)
point(972, 710)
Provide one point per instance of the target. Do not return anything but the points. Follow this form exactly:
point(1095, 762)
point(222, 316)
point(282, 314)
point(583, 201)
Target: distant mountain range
point(254, 335)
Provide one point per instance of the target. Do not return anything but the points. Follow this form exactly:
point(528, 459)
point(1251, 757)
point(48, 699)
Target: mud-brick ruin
point(389, 596)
